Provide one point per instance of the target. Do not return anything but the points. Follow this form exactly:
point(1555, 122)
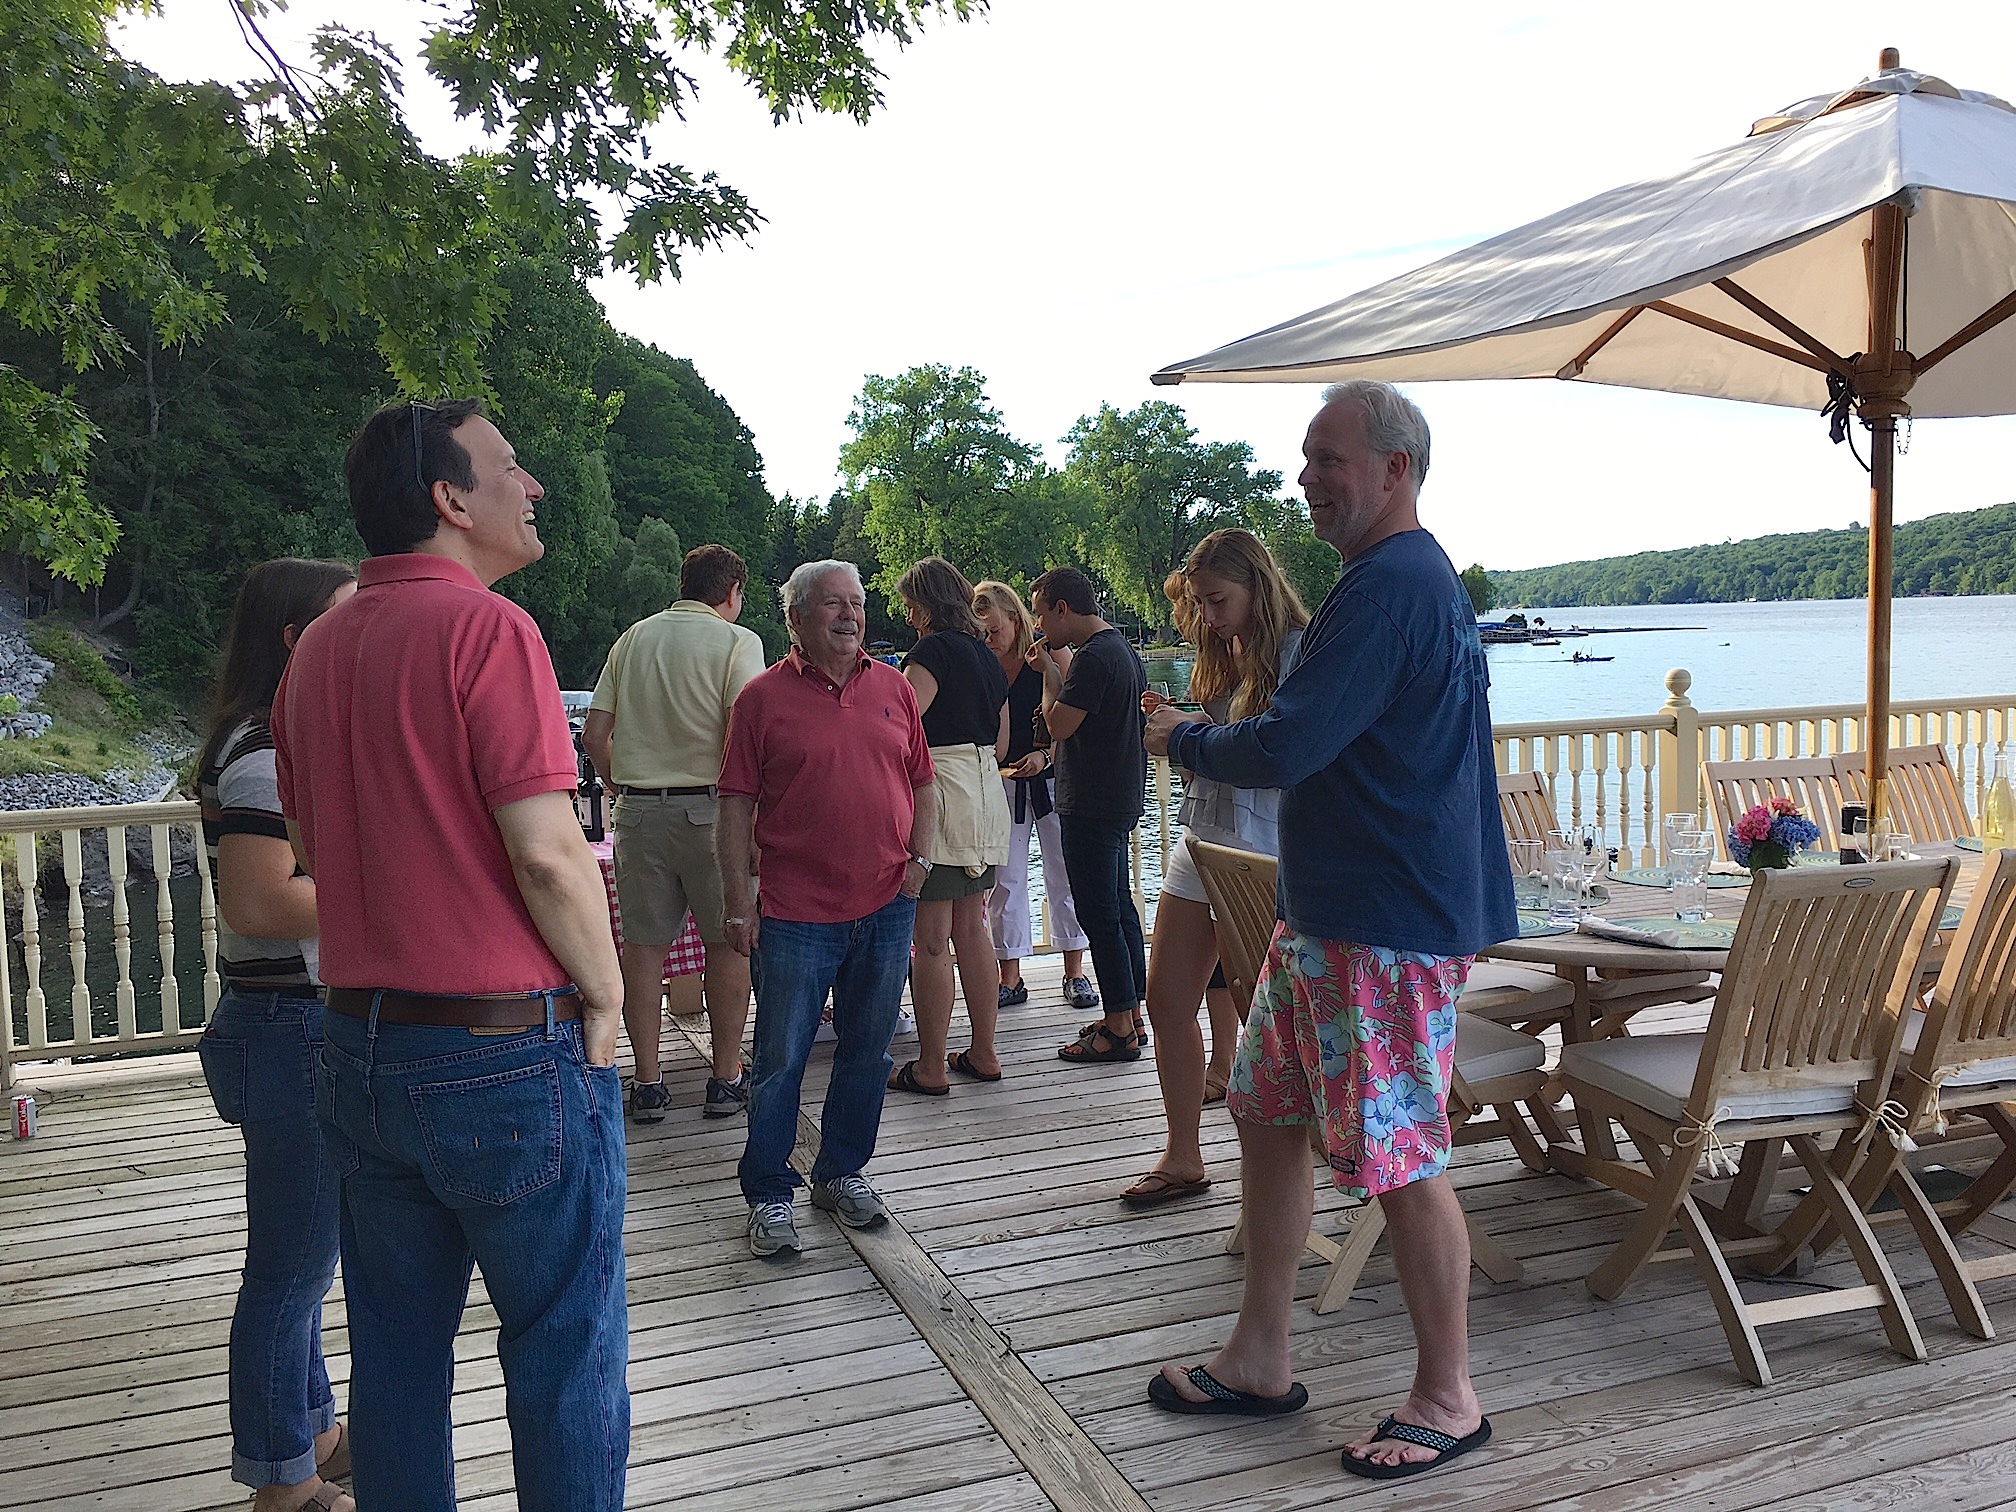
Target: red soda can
point(24, 1117)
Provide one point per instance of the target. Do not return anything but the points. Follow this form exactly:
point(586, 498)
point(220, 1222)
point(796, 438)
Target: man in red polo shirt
point(827, 777)
point(467, 1075)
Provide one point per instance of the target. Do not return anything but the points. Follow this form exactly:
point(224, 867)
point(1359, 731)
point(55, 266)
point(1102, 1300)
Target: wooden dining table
point(1602, 972)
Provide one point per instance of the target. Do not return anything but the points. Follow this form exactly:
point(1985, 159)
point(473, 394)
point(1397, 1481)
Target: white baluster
point(164, 931)
point(80, 990)
point(122, 930)
point(206, 914)
point(31, 940)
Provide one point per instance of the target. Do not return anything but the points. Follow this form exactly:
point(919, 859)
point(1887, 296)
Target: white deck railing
point(56, 937)
point(1623, 775)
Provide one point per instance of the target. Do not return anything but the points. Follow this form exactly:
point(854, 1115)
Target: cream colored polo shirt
point(670, 681)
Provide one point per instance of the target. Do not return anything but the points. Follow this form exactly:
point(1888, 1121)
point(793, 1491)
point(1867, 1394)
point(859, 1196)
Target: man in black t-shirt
point(1094, 714)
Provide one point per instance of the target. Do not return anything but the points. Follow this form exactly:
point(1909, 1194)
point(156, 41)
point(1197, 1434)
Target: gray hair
point(1393, 423)
point(797, 590)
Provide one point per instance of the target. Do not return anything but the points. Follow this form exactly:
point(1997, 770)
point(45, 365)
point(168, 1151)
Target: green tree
point(1311, 565)
point(1477, 583)
point(938, 475)
point(128, 201)
point(1159, 491)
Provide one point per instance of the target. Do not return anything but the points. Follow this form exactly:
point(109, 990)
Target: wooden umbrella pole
point(1884, 374)
point(1876, 737)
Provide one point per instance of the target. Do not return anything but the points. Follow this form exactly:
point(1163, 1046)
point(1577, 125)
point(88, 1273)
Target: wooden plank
point(1055, 1451)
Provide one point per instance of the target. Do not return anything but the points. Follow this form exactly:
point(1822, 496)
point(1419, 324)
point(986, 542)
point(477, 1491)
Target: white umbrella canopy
point(1861, 245)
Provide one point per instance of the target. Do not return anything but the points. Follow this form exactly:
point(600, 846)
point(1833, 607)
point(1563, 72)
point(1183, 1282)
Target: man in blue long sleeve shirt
point(1393, 876)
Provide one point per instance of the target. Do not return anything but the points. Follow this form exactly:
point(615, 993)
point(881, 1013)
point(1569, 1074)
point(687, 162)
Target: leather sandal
point(337, 1465)
point(905, 1080)
point(1214, 1089)
point(1099, 1045)
point(1140, 1028)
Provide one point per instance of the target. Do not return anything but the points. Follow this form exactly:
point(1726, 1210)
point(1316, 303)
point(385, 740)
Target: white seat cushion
point(1656, 1071)
point(1980, 1073)
point(1501, 988)
point(1636, 985)
point(1486, 1051)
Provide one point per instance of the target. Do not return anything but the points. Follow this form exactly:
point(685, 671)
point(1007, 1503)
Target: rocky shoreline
point(22, 673)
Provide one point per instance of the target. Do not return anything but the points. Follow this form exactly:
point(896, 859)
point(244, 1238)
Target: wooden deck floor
point(989, 1350)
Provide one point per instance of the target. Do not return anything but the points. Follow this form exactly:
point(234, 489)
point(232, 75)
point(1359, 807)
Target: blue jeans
point(505, 1150)
point(258, 1057)
point(1095, 859)
point(863, 964)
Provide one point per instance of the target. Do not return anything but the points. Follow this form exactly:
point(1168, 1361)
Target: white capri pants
point(1008, 912)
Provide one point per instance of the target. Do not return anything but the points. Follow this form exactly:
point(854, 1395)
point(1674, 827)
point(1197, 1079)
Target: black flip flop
point(1222, 1399)
point(1446, 1448)
point(963, 1064)
point(905, 1080)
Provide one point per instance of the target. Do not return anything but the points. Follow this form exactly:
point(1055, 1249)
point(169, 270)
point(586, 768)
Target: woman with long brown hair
point(1028, 775)
point(1246, 621)
point(258, 1056)
point(962, 698)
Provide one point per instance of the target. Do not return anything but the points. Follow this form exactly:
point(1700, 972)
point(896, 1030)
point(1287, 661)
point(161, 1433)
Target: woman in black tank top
point(962, 697)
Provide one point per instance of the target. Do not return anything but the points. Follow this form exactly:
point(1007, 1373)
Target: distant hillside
point(1973, 551)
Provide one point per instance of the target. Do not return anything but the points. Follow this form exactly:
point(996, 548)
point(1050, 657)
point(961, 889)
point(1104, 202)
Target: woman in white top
point(1246, 622)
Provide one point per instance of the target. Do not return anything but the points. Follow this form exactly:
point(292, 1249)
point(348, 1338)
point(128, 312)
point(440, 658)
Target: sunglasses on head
point(413, 411)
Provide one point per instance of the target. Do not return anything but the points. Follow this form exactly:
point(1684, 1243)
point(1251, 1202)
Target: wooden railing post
point(1679, 748)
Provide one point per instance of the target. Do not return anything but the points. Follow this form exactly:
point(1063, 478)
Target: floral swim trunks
point(1361, 1041)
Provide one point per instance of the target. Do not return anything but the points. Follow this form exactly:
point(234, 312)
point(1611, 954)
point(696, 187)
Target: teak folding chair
point(1801, 1044)
point(1496, 1068)
point(1924, 790)
point(1526, 806)
point(1959, 1060)
point(1736, 786)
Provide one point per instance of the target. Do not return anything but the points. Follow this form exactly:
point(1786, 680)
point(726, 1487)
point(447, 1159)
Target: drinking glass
point(1690, 877)
point(1899, 846)
point(1591, 858)
point(1526, 856)
point(1675, 825)
point(1873, 839)
point(1564, 886)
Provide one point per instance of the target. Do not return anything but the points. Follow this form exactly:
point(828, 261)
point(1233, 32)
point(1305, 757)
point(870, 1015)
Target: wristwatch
point(920, 861)
point(736, 923)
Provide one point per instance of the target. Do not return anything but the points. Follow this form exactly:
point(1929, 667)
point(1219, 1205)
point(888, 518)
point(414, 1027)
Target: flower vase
point(1769, 855)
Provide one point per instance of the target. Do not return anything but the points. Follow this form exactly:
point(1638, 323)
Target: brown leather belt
point(504, 1011)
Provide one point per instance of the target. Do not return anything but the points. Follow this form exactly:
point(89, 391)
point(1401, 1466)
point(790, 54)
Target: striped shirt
point(240, 795)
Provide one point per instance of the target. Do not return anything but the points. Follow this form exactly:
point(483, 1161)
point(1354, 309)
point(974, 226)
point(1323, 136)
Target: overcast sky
point(1070, 194)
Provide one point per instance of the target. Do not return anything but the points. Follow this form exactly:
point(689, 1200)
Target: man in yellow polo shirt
point(654, 730)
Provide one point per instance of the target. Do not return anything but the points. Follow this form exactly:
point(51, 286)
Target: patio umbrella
point(1856, 254)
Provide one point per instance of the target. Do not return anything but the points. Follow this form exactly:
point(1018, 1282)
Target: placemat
point(1535, 926)
point(1969, 842)
point(1657, 876)
point(1700, 934)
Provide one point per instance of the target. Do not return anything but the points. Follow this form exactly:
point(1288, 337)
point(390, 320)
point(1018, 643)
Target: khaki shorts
point(665, 868)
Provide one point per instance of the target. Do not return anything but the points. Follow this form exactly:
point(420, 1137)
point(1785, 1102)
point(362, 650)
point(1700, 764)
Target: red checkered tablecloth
point(688, 955)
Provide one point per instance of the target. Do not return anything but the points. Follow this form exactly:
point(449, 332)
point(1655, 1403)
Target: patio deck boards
point(988, 1352)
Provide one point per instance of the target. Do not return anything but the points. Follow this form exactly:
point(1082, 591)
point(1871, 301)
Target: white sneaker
point(772, 1228)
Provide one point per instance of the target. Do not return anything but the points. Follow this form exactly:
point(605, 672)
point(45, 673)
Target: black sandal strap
point(1413, 1433)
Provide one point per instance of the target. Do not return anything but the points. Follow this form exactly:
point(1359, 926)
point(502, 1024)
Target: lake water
point(1743, 656)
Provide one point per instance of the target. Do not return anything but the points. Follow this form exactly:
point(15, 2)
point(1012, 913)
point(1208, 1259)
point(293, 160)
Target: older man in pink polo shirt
point(828, 776)
point(467, 1078)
